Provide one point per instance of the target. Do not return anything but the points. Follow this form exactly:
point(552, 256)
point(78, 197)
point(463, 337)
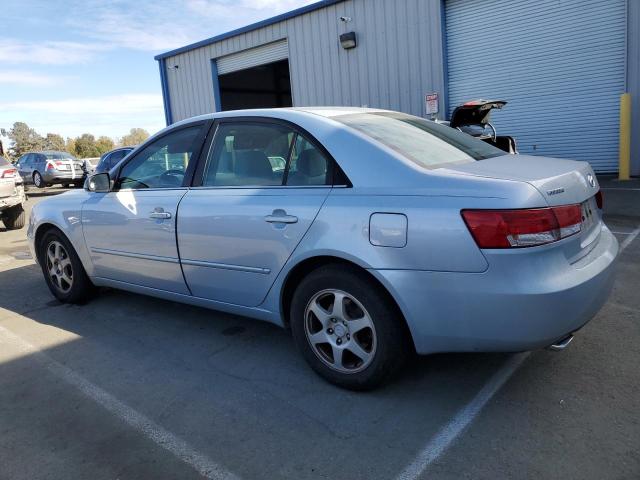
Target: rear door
point(130, 232)
point(261, 188)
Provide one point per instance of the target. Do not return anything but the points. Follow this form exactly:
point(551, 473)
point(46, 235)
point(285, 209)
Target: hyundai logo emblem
point(591, 180)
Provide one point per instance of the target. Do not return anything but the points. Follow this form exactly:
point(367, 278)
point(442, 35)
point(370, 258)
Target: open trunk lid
point(475, 112)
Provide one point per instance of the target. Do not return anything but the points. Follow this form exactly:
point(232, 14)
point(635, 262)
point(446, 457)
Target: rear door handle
point(280, 216)
point(159, 213)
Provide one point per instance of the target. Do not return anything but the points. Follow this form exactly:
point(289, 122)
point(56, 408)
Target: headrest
point(253, 163)
point(312, 163)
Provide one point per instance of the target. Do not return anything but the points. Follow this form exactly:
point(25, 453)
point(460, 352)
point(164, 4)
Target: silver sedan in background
point(370, 234)
point(50, 167)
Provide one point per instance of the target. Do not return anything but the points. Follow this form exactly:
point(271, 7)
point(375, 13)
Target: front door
point(131, 231)
point(262, 187)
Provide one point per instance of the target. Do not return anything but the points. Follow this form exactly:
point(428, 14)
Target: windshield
point(424, 142)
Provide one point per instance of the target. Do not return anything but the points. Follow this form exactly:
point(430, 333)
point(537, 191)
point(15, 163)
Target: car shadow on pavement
point(235, 385)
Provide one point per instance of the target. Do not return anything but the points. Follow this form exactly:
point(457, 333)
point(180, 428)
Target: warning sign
point(431, 102)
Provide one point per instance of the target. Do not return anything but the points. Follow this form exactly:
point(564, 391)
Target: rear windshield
point(59, 156)
point(424, 142)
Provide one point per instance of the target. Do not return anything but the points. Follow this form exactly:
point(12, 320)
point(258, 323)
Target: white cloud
point(251, 9)
point(109, 115)
point(23, 77)
point(47, 52)
point(156, 26)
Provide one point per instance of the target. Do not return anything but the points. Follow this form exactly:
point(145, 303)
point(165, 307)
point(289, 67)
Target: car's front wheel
point(347, 328)
point(38, 181)
point(63, 270)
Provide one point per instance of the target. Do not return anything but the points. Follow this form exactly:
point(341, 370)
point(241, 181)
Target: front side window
point(163, 163)
point(260, 154)
point(424, 142)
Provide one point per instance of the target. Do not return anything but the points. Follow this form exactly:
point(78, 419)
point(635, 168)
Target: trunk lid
point(475, 112)
point(8, 184)
point(560, 182)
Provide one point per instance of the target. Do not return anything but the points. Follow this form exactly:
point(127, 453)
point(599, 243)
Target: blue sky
point(72, 67)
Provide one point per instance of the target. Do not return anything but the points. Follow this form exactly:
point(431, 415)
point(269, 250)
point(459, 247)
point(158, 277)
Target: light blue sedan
point(370, 234)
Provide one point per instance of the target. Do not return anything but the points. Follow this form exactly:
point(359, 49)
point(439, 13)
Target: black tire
point(14, 217)
point(81, 288)
point(66, 185)
point(392, 342)
point(38, 181)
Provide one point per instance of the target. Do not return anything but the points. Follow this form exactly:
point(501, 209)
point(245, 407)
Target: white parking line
point(445, 437)
point(627, 241)
point(439, 443)
point(165, 439)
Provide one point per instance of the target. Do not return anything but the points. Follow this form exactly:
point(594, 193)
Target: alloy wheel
point(340, 331)
point(37, 179)
point(59, 266)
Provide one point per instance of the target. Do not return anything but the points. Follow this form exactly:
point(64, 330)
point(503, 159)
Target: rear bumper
point(58, 176)
point(13, 200)
point(520, 303)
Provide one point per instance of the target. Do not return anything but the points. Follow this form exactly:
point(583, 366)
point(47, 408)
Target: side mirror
point(100, 183)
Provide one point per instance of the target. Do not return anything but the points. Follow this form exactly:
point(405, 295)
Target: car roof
point(326, 112)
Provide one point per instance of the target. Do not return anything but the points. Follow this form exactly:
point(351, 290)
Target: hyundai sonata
point(370, 234)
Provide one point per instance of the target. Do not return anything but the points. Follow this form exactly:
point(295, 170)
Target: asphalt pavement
point(132, 387)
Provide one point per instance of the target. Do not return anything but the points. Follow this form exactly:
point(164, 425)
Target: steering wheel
point(170, 177)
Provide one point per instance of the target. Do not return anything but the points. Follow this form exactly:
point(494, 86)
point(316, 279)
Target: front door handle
point(280, 216)
point(159, 213)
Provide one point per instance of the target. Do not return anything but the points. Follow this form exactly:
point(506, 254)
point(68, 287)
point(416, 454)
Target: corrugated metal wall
point(398, 58)
point(559, 64)
point(633, 80)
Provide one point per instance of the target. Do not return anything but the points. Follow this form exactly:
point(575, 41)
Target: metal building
point(561, 64)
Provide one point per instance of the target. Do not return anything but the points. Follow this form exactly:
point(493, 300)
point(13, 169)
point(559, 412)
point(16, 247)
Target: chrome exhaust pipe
point(561, 344)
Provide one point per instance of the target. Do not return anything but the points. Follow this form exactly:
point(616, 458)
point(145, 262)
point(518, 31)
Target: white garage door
point(269, 53)
point(559, 63)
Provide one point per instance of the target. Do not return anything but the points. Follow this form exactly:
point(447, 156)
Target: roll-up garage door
point(559, 63)
point(269, 53)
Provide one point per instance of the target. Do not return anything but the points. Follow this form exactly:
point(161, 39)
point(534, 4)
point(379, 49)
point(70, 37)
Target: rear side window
point(424, 142)
point(262, 154)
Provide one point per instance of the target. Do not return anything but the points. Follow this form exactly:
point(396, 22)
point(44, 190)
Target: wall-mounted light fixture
point(348, 40)
point(174, 67)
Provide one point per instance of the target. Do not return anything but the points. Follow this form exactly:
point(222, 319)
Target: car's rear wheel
point(347, 328)
point(38, 181)
point(14, 217)
point(63, 270)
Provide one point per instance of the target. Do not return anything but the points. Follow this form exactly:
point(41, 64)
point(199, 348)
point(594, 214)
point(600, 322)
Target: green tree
point(53, 141)
point(135, 137)
point(70, 146)
point(86, 146)
point(25, 139)
point(104, 144)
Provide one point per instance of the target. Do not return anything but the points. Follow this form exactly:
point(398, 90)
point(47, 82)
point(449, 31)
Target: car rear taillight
point(522, 228)
point(50, 166)
point(9, 173)
point(599, 199)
